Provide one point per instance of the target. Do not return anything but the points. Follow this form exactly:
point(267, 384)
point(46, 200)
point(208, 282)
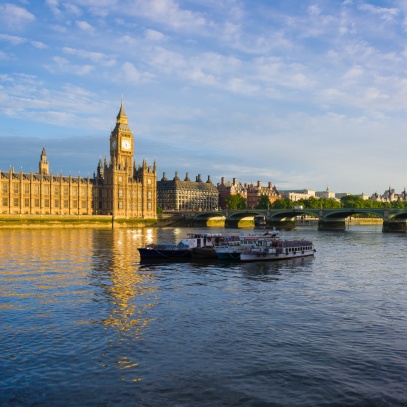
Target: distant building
point(186, 195)
point(297, 194)
point(227, 189)
point(118, 188)
point(254, 192)
point(390, 196)
point(328, 194)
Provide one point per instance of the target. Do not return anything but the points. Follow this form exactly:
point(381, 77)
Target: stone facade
point(118, 188)
point(186, 195)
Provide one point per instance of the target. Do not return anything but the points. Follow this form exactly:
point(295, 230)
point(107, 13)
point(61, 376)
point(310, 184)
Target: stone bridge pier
point(394, 226)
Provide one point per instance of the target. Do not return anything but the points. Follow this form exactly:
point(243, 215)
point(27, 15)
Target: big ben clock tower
point(122, 143)
point(122, 189)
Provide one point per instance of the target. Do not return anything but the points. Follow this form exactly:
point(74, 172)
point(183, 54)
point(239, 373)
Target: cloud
point(14, 17)
point(85, 26)
point(153, 35)
point(130, 74)
point(386, 14)
point(95, 57)
point(12, 39)
point(168, 13)
point(63, 65)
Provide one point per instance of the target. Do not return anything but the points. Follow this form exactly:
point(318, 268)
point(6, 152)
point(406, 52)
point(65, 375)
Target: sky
point(300, 93)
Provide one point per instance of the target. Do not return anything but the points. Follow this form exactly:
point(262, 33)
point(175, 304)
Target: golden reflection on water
point(70, 267)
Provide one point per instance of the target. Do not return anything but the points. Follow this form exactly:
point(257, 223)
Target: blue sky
point(305, 94)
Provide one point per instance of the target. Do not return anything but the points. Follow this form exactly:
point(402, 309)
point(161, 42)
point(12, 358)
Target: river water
point(83, 323)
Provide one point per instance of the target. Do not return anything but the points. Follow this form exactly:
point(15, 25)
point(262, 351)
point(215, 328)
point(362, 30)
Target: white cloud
point(168, 13)
point(85, 26)
point(63, 65)
point(130, 74)
point(12, 39)
point(386, 14)
point(96, 57)
point(14, 17)
point(153, 35)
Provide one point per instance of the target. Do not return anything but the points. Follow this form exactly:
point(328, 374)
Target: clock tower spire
point(122, 143)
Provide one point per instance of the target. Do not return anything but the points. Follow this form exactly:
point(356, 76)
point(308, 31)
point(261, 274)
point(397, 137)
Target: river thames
point(83, 323)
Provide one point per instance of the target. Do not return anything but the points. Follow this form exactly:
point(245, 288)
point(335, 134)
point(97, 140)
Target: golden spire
point(122, 117)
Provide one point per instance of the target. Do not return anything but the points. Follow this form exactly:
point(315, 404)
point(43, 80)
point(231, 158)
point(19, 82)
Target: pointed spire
point(121, 116)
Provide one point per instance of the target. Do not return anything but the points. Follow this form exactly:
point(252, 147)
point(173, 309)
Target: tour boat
point(265, 250)
point(231, 250)
point(164, 251)
point(194, 245)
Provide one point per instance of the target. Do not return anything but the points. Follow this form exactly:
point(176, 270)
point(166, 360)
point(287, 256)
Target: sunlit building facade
point(186, 195)
point(118, 187)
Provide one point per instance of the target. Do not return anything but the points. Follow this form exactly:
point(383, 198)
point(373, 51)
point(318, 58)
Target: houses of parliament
point(118, 187)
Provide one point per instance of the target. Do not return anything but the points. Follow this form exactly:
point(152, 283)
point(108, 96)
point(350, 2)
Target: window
point(46, 190)
point(149, 195)
point(36, 189)
point(15, 201)
point(83, 191)
point(149, 205)
point(134, 194)
point(15, 189)
point(56, 189)
point(26, 189)
point(120, 193)
point(75, 203)
point(5, 201)
point(37, 203)
point(46, 202)
point(84, 205)
point(66, 203)
point(56, 203)
point(74, 191)
point(26, 202)
point(120, 205)
point(66, 191)
point(5, 188)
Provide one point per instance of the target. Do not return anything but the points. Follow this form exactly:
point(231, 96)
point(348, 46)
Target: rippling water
point(84, 324)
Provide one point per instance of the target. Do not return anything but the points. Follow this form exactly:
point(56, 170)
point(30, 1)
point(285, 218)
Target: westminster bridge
point(394, 219)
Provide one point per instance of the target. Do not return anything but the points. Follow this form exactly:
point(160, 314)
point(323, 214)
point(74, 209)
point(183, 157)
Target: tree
point(263, 203)
point(236, 202)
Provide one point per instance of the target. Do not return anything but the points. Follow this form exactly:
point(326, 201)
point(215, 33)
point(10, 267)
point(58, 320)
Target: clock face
point(114, 144)
point(126, 145)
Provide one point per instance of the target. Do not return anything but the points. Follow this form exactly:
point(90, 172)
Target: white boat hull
point(274, 255)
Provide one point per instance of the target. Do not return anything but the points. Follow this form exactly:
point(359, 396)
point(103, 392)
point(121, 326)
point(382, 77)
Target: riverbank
point(108, 222)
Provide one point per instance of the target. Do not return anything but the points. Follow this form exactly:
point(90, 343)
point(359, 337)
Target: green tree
point(263, 203)
point(236, 202)
point(159, 210)
point(282, 204)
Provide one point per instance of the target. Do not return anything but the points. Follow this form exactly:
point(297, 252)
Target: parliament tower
point(121, 188)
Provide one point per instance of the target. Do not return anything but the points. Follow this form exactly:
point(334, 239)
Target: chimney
point(259, 184)
point(270, 185)
point(223, 181)
point(234, 181)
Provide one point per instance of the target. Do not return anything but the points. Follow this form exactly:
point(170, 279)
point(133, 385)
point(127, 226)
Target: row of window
point(36, 203)
point(45, 189)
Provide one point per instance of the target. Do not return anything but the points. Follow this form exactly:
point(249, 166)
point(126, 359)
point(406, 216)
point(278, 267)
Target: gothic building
point(118, 188)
